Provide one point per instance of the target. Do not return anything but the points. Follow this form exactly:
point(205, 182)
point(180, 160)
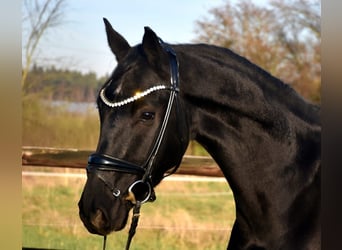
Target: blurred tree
point(283, 37)
point(52, 84)
point(38, 17)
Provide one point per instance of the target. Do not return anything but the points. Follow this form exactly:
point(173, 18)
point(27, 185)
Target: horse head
point(143, 133)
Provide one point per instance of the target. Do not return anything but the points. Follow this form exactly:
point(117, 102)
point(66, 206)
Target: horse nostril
point(99, 221)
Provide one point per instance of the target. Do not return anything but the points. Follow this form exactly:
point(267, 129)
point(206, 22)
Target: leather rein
point(108, 163)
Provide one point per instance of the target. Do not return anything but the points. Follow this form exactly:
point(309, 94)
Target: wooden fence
point(74, 158)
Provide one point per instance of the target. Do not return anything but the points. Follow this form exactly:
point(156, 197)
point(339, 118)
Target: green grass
point(186, 215)
point(56, 127)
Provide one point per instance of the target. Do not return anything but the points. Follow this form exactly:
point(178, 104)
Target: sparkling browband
point(134, 98)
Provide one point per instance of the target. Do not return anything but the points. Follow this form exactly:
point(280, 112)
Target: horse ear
point(153, 50)
point(117, 43)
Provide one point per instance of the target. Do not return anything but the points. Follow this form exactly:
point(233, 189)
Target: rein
point(108, 163)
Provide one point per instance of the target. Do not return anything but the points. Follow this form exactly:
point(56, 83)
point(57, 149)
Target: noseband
point(140, 191)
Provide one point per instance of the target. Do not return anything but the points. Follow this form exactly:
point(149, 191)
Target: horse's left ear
point(153, 50)
point(116, 42)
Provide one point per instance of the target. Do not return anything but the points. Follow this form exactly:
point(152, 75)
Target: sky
point(79, 43)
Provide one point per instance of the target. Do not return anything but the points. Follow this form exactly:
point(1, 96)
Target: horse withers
point(262, 134)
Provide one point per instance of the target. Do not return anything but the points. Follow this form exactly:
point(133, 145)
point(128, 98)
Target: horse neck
point(254, 126)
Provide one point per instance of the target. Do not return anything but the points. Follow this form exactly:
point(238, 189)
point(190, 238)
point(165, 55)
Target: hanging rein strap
point(132, 229)
point(134, 224)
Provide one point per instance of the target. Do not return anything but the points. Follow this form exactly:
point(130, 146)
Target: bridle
point(140, 191)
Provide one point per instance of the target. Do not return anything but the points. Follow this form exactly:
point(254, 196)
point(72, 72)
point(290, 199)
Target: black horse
point(262, 134)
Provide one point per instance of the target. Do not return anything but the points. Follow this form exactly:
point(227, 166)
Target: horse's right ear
point(154, 51)
point(117, 43)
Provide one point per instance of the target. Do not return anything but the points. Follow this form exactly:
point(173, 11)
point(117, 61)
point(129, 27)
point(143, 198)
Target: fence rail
point(74, 158)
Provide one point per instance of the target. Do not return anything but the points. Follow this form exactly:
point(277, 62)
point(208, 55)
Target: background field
point(186, 215)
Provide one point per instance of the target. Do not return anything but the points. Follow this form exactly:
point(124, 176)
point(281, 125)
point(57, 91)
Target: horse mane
point(274, 89)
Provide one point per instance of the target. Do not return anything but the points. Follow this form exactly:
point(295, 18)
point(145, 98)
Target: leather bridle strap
point(149, 163)
point(108, 163)
point(173, 95)
point(134, 224)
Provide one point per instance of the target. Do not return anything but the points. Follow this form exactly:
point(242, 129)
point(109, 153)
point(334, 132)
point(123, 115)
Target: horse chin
point(119, 225)
point(102, 221)
point(98, 223)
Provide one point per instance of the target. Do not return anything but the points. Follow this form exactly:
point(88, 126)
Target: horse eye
point(146, 116)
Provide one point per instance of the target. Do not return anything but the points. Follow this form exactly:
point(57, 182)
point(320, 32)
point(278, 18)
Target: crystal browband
point(134, 98)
